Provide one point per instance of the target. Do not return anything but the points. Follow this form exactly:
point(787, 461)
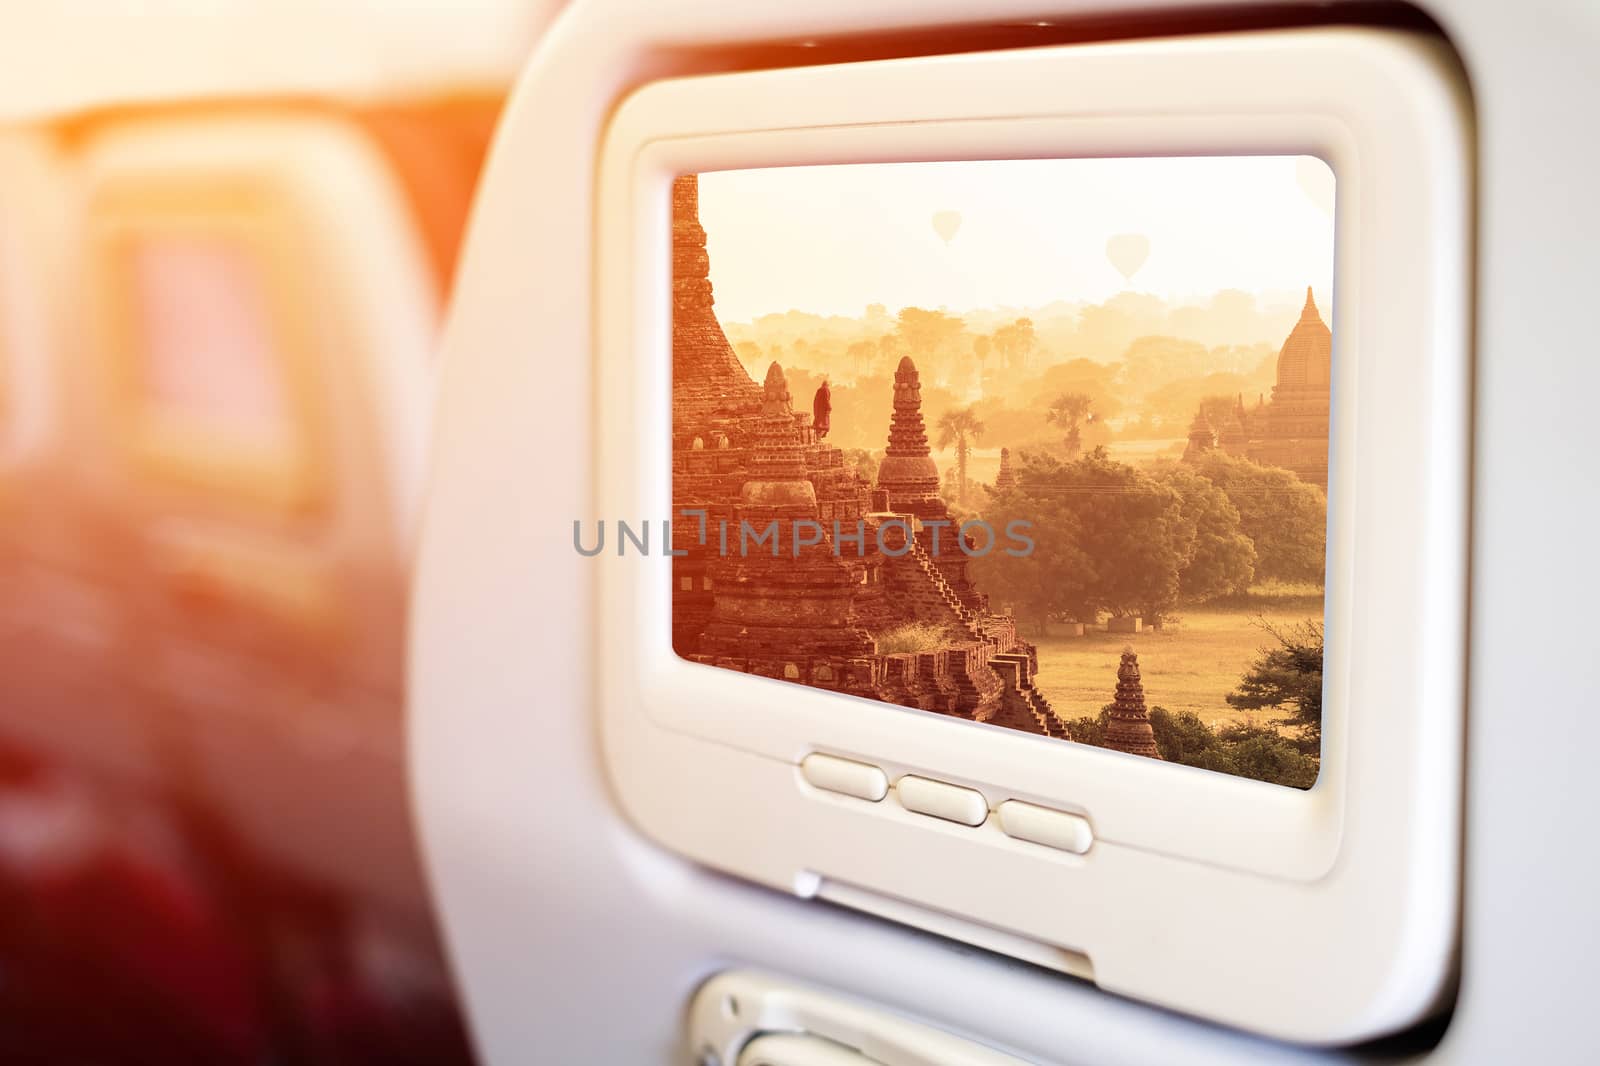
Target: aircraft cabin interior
point(696, 533)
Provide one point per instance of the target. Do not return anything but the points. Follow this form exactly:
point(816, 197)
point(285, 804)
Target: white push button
point(941, 800)
point(1041, 825)
point(833, 774)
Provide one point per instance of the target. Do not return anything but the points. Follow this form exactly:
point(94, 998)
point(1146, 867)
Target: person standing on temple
point(821, 410)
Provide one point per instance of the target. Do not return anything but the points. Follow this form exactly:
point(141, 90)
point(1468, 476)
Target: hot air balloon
point(946, 223)
point(1127, 252)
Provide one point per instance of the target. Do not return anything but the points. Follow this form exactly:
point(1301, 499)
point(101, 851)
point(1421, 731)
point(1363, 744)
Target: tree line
point(1111, 538)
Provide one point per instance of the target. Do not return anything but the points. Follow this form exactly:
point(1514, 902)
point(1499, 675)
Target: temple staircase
point(967, 616)
point(1016, 670)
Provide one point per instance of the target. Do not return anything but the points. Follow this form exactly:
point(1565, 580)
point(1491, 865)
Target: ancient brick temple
point(1128, 726)
point(1290, 430)
point(874, 558)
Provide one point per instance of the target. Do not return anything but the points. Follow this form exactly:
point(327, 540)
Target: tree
point(1218, 409)
point(863, 462)
point(861, 354)
point(1174, 403)
point(1154, 360)
point(961, 428)
point(1050, 579)
point(1181, 737)
point(1067, 410)
point(930, 337)
point(1285, 518)
point(1131, 531)
point(1015, 342)
point(889, 351)
point(1090, 730)
point(1223, 559)
point(1287, 677)
point(1244, 751)
point(1264, 755)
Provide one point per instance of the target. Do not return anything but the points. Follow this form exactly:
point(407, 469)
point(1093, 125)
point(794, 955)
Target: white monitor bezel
point(1370, 854)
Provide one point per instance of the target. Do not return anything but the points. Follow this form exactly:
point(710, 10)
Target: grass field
point(1190, 664)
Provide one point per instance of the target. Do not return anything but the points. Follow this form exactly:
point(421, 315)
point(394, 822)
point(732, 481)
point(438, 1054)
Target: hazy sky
point(833, 239)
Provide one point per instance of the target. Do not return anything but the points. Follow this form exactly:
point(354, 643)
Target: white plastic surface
point(753, 1019)
point(793, 1049)
point(558, 912)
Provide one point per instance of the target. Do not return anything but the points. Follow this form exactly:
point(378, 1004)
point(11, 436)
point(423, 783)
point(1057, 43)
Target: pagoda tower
point(1294, 433)
point(707, 377)
point(1129, 727)
point(1305, 362)
point(776, 482)
point(1234, 438)
point(1202, 438)
point(908, 472)
point(1006, 479)
point(714, 399)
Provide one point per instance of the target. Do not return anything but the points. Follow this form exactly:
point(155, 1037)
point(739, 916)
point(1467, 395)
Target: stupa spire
point(777, 467)
point(1309, 312)
point(775, 393)
point(908, 471)
point(1128, 728)
point(907, 433)
point(1006, 479)
point(1202, 436)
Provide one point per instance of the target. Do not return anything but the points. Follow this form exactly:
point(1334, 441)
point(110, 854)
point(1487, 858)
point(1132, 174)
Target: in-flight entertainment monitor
point(1073, 484)
point(207, 340)
point(1030, 504)
point(207, 349)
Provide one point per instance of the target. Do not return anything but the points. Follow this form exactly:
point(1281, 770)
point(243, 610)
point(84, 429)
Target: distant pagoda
point(1291, 431)
point(1129, 727)
point(1202, 437)
point(1233, 438)
point(1006, 479)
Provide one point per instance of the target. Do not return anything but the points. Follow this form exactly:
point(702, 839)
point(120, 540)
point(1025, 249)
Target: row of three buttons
point(953, 803)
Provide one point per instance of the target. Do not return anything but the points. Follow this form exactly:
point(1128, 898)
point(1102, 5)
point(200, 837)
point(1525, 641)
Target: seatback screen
point(1041, 444)
point(209, 360)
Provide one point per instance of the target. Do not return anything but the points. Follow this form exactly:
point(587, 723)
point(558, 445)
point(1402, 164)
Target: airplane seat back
point(535, 862)
point(246, 402)
point(436, 149)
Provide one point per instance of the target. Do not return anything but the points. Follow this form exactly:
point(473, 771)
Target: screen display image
point(1041, 444)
